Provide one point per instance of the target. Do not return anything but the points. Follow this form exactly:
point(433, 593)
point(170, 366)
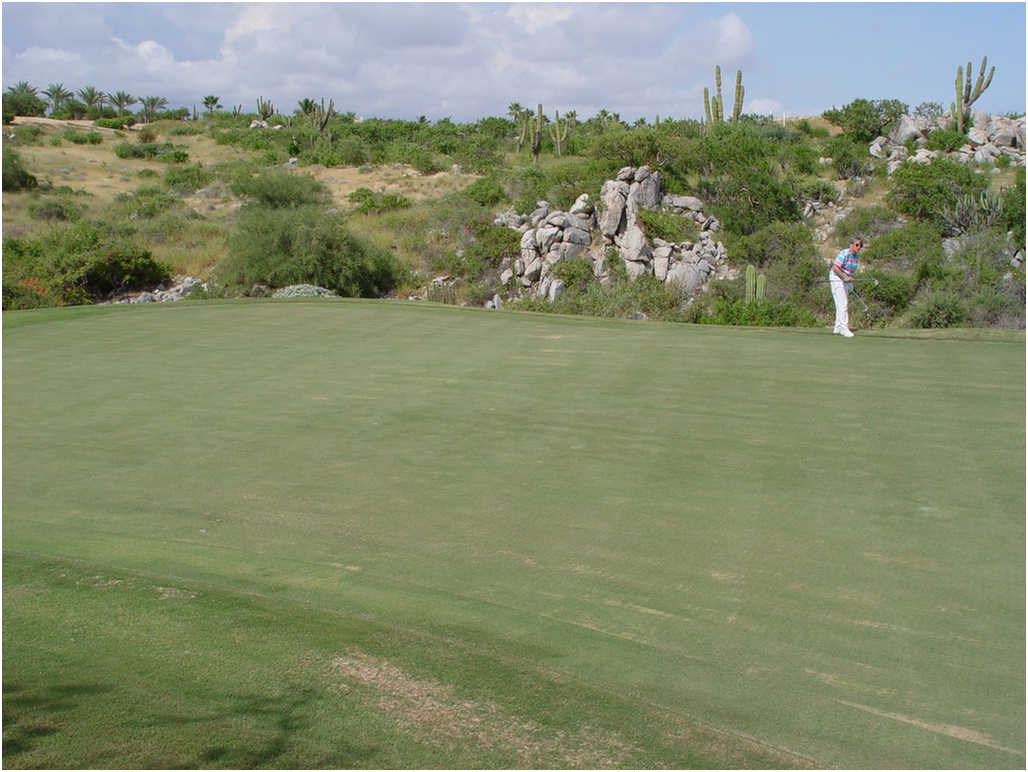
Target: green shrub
point(945, 140)
point(78, 138)
point(55, 208)
point(576, 273)
point(82, 263)
point(305, 245)
point(185, 131)
point(862, 119)
point(150, 151)
point(1012, 216)
point(187, 179)
point(779, 241)
point(369, 202)
point(667, 226)
point(849, 158)
point(767, 312)
point(905, 248)
point(868, 222)
point(621, 299)
point(937, 308)
point(278, 188)
point(893, 291)
point(15, 176)
point(114, 123)
point(486, 191)
point(28, 135)
point(147, 202)
point(924, 190)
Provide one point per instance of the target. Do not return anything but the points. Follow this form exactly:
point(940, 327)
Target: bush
point(945, 140)
point(187, 179)
point(486, 191)
point(78, 138)
point(667, 226)
point(1012, 215)
point(55, 208)
point(279, 189)
point(114, 123)
point(151, 151)
point(305, 245)
point(369, 202)
point(768, 312)
point(79, 264)
point(893, 291)
point(868, 222)
point(862, 120)
point(849, 159)
point(15, 176)
point(576, 273)
point(925, 190)
point(938, 308)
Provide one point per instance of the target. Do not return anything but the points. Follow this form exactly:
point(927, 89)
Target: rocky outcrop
point(550, 236)
point(989, 138)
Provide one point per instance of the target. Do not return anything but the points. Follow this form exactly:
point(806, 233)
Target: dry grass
point(447, 720)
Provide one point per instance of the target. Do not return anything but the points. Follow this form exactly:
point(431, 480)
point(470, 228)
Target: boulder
point(634, 247)
point(689, 203)
point(905, 129)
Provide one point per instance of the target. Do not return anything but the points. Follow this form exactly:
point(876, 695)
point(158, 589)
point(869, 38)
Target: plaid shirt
point(847, 262)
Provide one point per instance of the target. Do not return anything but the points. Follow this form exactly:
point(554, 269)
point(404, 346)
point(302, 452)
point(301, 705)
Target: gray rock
point(690, 203)
point(905, 129)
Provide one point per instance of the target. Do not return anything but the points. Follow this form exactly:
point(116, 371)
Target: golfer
point(841, 281)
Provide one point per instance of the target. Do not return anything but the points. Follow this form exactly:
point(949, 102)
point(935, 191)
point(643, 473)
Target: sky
point(467, 61)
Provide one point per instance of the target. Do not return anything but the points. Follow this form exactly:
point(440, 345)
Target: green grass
point(367, 534)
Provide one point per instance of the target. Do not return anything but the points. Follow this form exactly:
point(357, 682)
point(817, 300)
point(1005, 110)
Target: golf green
point(809, 543)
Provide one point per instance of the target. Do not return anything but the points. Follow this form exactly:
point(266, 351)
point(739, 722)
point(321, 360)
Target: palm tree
point(57, 94)
point(22, 88)
point(514, 110)
point(210, 103)
point(151, 105)
point(121, 100)
point(91, 97)
point(306, 106)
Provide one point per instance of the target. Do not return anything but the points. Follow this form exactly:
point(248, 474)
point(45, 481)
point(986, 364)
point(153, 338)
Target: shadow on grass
point(273, 739)
point(30, 714)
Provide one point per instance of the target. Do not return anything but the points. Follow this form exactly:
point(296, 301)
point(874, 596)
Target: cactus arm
point(718, 100)
point(958, 106)
point(706, 104)
point(739, 91)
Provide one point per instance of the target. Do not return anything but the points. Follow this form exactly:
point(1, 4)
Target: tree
point(211, 103)
point(151, 105)
point(91, 97)
point(122, 100)
point(306, 106)
point(864, 119)
point(57, 94)
point(21, 99)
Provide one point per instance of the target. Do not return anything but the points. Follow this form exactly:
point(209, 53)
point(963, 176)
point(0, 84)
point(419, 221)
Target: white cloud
point(763, 106)
point(533, 18)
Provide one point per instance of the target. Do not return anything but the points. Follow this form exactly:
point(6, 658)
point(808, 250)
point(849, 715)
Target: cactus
point(751, 283)
point(320, 116)
point(965, 95)
point(761, 289)
point(265, 109)
point(535, 128)
point(558, 132)
point(739, 91)
point(715, 108)
point(519, 140)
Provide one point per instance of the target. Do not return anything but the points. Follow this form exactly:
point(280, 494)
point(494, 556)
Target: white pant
point(840, 291)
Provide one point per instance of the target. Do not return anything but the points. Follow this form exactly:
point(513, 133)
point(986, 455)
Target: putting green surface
point(807, 544)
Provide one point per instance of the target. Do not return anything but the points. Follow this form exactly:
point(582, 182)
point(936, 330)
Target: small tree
point(211, 103)
point(122, 100)
point(57, 94)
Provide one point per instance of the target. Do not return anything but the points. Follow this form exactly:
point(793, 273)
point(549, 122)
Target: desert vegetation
point(420, 197)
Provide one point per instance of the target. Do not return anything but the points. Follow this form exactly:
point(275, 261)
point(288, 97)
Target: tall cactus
point(265, 109)
point(751, 283)
point(535, 129)
point(965, 95)
point(320, 115)
point(761, 289)
point(715, 108)
point(739, 91)
point(559, 132)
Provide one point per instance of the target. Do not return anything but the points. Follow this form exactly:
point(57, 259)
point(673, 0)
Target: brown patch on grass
point(448, 720)
point(957, 732)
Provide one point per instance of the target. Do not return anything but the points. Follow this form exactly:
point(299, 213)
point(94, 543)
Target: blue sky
point(469, 61)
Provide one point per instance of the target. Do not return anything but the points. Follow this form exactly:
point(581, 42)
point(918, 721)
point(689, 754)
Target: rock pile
point(183, 286)
point(550, 236)
point(989, 138)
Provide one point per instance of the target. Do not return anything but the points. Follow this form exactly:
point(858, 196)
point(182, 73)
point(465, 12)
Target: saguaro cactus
point(265, 109)
point(965, 95)
point(751, 283)
point(761, 287)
